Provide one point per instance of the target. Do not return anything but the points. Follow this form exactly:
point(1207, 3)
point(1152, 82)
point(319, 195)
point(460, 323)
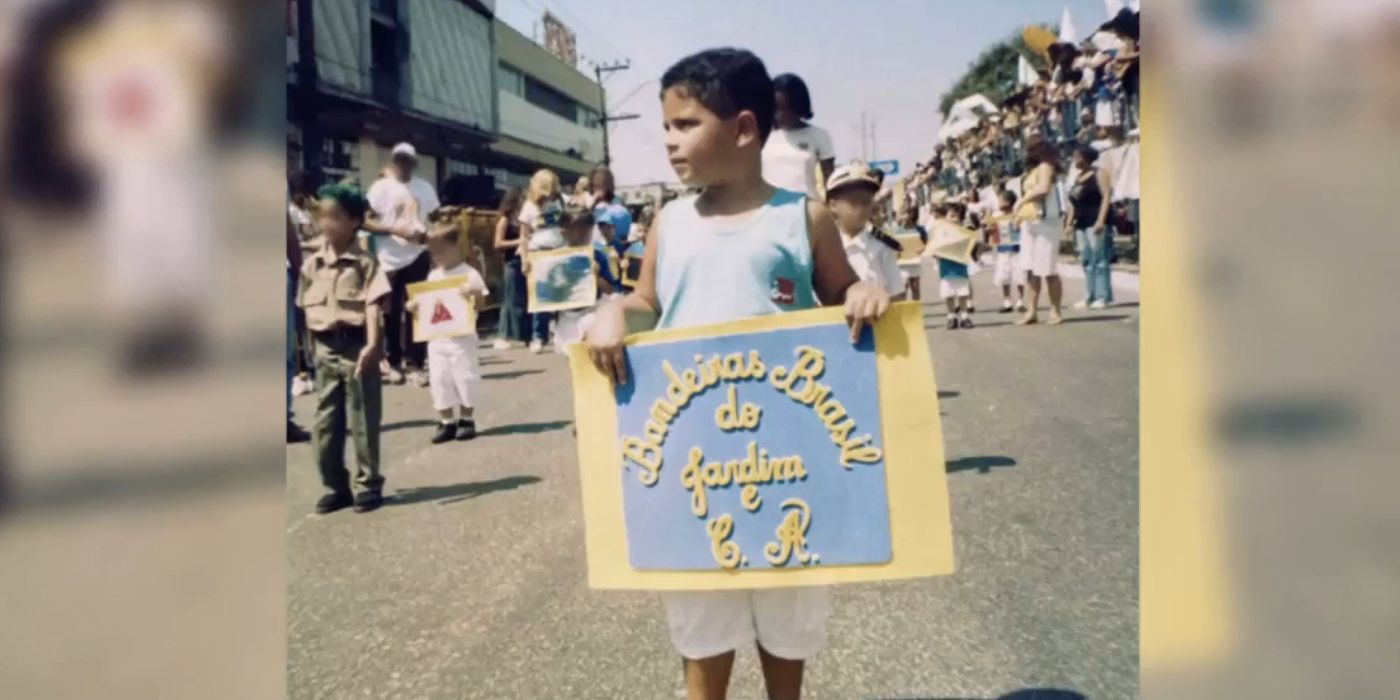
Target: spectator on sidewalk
point(401, 203)
point(1087, 220)
point(1040, 236)
point(513, 328)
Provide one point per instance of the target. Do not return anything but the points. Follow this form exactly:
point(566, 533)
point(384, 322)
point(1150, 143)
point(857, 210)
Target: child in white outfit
point(454, 373)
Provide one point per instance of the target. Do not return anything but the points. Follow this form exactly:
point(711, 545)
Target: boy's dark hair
point(348, 196)
point(576, 216)
point(727, 81)
point(796, 90)
point(1089, 152)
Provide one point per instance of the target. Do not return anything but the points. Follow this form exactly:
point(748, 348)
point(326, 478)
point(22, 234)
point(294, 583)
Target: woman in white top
point(796, 149)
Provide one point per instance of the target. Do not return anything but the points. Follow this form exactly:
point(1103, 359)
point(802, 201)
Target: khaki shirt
point(333, 290)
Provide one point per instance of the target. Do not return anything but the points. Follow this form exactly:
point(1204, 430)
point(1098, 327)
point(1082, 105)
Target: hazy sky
point(889, 58)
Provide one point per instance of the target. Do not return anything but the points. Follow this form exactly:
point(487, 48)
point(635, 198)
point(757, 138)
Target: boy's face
point(703, 148)
point(444, 251)
point(852, 207)
point(338, 226)
point(577, 234)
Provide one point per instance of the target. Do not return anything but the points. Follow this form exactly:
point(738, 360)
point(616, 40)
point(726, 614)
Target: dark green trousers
point(344, 401)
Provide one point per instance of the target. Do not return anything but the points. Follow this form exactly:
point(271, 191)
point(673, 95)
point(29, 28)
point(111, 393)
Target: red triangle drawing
point(440, 314)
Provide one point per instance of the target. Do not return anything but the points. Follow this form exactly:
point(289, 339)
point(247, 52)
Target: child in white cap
point(873, 255)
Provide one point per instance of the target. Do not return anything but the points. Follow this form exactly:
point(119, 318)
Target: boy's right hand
point(411, 306)
point(604, 342)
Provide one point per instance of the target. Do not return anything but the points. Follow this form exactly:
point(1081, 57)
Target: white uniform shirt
point(791, 157)
point(390, 200)
point(874, 261)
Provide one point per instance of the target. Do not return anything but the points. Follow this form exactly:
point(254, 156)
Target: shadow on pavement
point(525, 428)
point(1091, 319)
point(983, 465)
point(1027, 694)
point(512, 375)
point(457, 492)
point(406, 424)
point(950, 394)
point(494, 361)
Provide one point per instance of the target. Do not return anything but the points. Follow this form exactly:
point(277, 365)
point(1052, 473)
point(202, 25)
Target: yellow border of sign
point(532, 304)
point(910, 241)
point(966, 258)
point(437, 286)
point(920, 522)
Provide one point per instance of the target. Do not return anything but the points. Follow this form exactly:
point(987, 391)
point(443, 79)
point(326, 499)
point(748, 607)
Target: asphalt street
point(470, 582)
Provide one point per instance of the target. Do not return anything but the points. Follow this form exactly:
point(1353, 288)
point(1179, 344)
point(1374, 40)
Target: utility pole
point(599, 70)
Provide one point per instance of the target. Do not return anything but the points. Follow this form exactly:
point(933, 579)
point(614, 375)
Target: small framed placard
point(443, 312)
point(562, 279)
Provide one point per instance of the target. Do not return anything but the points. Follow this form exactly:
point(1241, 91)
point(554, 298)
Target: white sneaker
point(1098, 305)
point(501, 344)
point(1005, 304)
point(536, 346)
point(1081, 305)
point(1020, 305)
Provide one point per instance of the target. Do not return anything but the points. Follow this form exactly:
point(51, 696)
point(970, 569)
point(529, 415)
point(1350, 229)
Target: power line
point(598, 70)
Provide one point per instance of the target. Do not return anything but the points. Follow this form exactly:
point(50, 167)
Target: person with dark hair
point(798, 156)
point(513, 328)
point(341, 288)
point(1040, 237)
point(1087, 221)
point(739, 248)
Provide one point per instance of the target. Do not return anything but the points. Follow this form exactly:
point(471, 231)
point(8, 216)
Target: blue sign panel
point(754, 451)
point(888, 167)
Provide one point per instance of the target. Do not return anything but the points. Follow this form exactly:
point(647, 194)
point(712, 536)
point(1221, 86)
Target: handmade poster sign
point(765, 453)
point(632, 264)
point(951, 242)
point(443, 312)
point(911, 246)
point(562, 279)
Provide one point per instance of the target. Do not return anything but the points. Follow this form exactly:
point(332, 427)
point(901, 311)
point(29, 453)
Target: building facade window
point(587, 117)
point(511, 80)
point(549, 99)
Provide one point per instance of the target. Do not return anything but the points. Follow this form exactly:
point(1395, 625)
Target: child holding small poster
point(742, 248)
point(578, 224)
point(454, 372)
point(540, 219)
point(954, 282)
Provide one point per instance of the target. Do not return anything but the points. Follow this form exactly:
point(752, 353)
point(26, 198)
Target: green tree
point(993, 73)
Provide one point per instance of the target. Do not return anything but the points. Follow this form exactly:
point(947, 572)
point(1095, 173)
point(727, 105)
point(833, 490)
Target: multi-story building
point(484, 105)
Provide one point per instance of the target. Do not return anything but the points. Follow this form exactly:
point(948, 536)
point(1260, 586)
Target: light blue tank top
point(710, 274)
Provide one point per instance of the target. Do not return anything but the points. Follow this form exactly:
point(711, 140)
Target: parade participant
point(954, 282)
point(1040, 239)
point(913, 271)
point(578, 226)
point(741, 248)
point(341, 289)
point(401, 203)
point(873, 255)
point(514, 325)
point(1086, 220)
point(539, 227)
point(1005, 235)
point(454, 372)
point(796, 149)
point(614, 226)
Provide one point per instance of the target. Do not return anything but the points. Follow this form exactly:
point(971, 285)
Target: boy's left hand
point(368, 361)
point(865, 303)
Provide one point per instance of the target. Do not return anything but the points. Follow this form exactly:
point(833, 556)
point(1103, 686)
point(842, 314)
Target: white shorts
point(1040, 248)
point(454, 375)
point(789, 623)
point(911, 271)
point(949, 287)
point(1008, 269)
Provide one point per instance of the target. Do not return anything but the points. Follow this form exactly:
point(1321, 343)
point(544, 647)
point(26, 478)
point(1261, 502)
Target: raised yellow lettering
point(792, 535)
point(859, 450)
point(693, 481)
point(750, 499)
point(725, 550)
point(749, 416)
point(676, 390)
point(645, 455)
point(756, 368)
point(734, 367)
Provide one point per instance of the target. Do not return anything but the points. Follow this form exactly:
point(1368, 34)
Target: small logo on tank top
point(784, 291)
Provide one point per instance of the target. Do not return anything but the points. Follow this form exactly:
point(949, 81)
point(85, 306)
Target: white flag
point(1067, 33)
point(1025, 74)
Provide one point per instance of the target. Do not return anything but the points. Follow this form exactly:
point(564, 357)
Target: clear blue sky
point(890, 58)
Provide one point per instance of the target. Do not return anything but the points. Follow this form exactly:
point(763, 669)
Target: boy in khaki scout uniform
point(341, 288)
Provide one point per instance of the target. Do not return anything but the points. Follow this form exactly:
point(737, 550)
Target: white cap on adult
point(405, 150)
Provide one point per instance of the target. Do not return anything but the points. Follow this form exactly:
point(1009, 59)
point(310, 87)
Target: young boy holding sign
point(454, 372)
point(740, 249)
